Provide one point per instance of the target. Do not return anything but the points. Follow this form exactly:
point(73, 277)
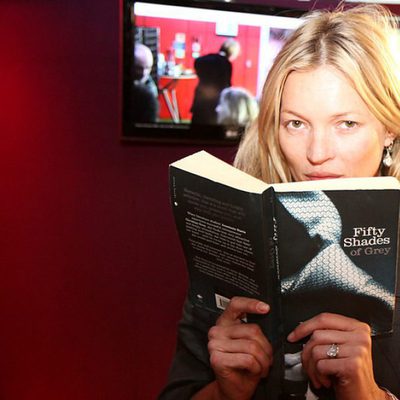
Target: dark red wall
point(92, 277)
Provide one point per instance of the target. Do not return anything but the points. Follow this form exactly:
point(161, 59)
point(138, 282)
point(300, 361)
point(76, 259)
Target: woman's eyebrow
point(294, 113)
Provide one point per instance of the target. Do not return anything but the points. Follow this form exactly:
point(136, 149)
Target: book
point(302, 247)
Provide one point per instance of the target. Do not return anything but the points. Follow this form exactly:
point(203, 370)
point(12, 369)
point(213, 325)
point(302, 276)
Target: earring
point(387, 158)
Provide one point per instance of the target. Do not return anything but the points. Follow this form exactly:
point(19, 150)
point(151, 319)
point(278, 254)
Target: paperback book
point(302, 247)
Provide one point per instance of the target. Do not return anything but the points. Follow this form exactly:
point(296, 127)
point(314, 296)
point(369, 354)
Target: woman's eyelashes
point(348, 125)
point(294, 124)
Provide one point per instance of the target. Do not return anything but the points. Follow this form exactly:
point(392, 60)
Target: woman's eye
point(348, 124)
point(295, 123)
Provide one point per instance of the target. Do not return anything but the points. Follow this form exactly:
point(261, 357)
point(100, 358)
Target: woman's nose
point(320, 147)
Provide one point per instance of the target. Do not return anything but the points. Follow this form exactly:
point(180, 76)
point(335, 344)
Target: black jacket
point(190, 370)
point(214, 72)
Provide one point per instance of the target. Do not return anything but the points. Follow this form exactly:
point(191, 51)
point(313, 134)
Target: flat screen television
point(171, 92)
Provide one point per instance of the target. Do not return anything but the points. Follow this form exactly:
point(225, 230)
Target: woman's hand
point(351, 371)
point(239, 353)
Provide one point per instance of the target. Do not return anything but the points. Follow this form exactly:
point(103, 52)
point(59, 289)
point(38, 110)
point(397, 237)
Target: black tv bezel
point(171, 132)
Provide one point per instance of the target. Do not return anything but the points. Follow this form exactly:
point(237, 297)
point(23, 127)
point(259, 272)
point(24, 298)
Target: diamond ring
point(333, 351)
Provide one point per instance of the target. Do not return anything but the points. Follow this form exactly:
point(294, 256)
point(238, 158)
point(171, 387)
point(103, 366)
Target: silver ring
point(333, 351)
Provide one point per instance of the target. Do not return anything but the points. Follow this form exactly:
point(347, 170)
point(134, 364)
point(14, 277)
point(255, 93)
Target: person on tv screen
point(330, 108)
point(236, 109)
point(214, 72)
point(144, 107)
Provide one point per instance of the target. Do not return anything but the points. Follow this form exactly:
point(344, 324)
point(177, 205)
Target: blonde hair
point(356, 42)
point(236, 107)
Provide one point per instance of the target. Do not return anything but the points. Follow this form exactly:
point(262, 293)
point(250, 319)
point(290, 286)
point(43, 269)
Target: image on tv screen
point(196, 72)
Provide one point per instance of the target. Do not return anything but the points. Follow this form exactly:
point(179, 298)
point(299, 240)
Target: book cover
point(338, 253)
point(229, 247)
point(303, 247)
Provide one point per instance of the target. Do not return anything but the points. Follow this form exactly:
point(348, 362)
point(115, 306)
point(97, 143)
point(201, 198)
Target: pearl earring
point(387, 158)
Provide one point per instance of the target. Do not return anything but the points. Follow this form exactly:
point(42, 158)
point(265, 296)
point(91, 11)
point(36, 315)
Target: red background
point(248, 37)
point(92, 277)
point(245, 67)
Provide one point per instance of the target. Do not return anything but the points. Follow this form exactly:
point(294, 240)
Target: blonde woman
point(236, 109)
point(330, 109)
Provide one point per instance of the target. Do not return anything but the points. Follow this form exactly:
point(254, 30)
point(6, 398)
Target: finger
point(310, 357)
point(242, 331)
point(321, 365)
point(222, 363)
point(325, 321)
point(238, 307)
point(356, 341)
point(316, 349)
point(329, 336)
point(317, 378)
point(263, 355)
point(325, 338)
point(321, 352)
point(351, 363)
point(333, 367)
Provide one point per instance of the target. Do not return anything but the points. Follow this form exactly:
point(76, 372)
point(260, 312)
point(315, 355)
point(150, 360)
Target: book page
point(374, 183)
point(210, 167)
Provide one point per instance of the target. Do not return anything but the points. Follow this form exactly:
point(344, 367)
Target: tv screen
point(194, 71)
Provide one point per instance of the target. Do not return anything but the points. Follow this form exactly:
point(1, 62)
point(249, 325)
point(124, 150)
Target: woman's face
point(326, 130)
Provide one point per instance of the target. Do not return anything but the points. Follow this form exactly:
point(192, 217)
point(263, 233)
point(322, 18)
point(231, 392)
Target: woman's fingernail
point(290, 336)
point(262, 307)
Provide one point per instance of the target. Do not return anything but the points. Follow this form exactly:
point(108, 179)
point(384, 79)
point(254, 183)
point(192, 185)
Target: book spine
point(270, 229)
point(274, 329)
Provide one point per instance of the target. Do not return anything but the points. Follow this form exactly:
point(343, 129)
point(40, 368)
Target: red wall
point(92, 278)
point(244, 67)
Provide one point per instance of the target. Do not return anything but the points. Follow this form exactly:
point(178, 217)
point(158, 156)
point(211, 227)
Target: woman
point(330, 109)
point(236, 109)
